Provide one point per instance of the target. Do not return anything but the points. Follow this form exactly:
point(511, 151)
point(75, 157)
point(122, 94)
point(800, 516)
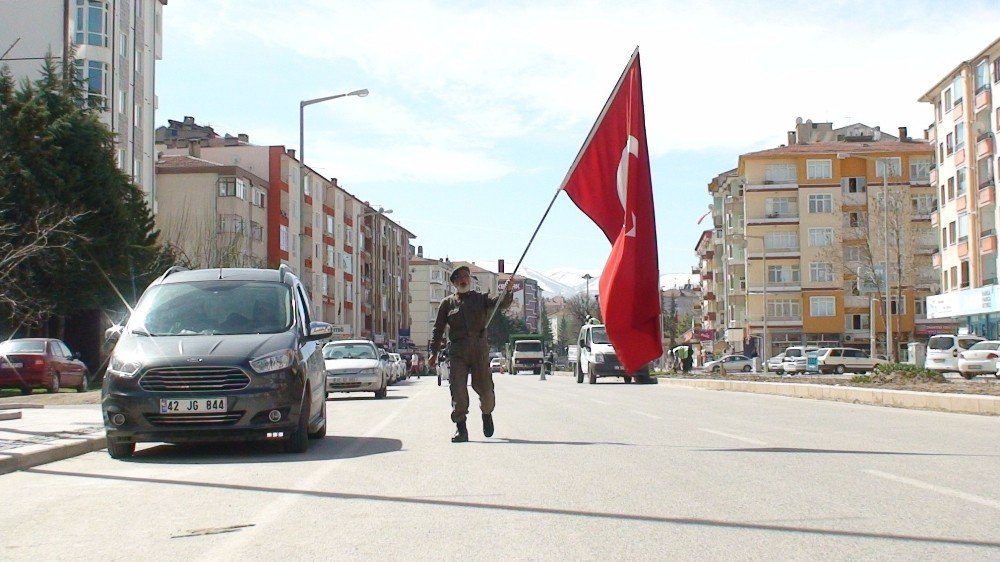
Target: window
point(949, 143)
point(957, 91)
point(232, 187)
point(951, 188)
point(820, 272)
point(781, 241)
point(436, 275)
point(923, 204)
point(347, 262)
point(259, 197)
point(283, 238)
point(95, 73)
point(822, 306)
point(959, 136)
point(996, 70)
point(349, 235)
point(784, 308)
point(819, 169)
point(985, 172)
point(857, 219)
point(820, 237)
point(307, 186)
point(920, 170)
point(963, 227)
point(852, 253)
point(854, 185)
point(954, 277)
point(947, 99)
point(920, 307)
point(256, 231)
point(782, 274)
point(952, 233)
point(982, 75)
point(780, 173)
point(231, 223)
point(821, 203)
point(961, 181)
point(894, 164)
point(898, 305)
point(329, 224)
point(781, 207)
point(91, 22)
point(858, 322)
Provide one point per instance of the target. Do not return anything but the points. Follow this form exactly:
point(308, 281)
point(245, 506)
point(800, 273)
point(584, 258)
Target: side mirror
point(75, 355)
point(319, 331)
point(113, 333)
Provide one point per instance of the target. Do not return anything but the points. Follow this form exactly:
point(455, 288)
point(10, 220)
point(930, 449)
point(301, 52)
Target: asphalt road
point(577, 472)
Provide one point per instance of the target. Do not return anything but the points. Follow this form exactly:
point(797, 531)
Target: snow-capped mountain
point(568, 282)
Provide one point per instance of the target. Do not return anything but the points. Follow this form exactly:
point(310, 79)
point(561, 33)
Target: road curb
point(938, 401)
point(57, 450)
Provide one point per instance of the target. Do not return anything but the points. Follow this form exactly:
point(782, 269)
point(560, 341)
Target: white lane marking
point(731, 436)
point(937, 489)
point(645, 414)
point(600, 402)
point(278, 509)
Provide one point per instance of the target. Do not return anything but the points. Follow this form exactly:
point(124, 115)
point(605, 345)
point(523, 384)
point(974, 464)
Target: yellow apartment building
point(802, 233)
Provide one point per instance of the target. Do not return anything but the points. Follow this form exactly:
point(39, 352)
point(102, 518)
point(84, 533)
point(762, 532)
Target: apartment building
point(429, 285)
point(117, 45)
point(966, 121)
point(802, 235)
point(351, 258)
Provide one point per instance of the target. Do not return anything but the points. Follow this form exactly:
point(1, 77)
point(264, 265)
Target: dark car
point(217, 355)
point(30, 363)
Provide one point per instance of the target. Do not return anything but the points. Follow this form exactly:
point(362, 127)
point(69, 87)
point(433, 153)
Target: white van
point(943, 350)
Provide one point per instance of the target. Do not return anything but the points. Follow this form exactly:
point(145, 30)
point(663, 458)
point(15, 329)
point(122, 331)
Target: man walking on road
point(465, 314)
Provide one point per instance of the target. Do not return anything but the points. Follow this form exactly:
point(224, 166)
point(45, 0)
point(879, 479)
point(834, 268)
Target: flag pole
point(510, 280)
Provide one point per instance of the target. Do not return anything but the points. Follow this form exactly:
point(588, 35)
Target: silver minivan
point(943, 350)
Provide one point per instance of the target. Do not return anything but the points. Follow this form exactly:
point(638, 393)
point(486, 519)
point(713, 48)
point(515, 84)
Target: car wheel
point(120, 450)
point(382, 392)
point(968, 376)
point(298, 441)
point(578, 372)
point(54, 384)
point(321, 432)
point(747, 368)
point(628, 380)
point(840, 369)
point(715, 369)
point(84, 383)
point(593, 375)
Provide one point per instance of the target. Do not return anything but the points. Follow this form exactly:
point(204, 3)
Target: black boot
point(488, 425)
point(462, 435)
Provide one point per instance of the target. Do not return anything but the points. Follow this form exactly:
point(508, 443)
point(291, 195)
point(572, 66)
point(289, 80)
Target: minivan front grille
point(194, 379)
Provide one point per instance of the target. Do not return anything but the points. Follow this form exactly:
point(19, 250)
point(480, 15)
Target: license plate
point(191, 405)
point(343, 380)
point(973, 367)
point(939, 360)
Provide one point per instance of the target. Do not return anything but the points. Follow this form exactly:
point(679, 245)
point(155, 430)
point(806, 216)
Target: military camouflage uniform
point(465, 316)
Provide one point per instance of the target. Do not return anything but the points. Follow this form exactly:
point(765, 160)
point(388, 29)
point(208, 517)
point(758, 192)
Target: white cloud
point(458, 80)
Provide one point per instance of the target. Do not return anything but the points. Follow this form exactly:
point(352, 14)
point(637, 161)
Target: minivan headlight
point(598, 358)
point(272, 361)
point(123, 367)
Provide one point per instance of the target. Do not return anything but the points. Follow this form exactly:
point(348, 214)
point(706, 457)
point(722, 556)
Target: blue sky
point(477, 109)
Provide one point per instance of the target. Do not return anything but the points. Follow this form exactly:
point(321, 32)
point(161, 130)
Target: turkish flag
point(610, 182)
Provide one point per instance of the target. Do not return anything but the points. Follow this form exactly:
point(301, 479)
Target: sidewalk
point(32, 434)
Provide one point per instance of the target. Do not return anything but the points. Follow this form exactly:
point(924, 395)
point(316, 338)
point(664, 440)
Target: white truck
point(526, 353)
point(596, 357)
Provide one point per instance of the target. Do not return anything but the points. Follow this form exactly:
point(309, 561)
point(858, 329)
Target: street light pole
point(885, 231)
point(588, 277)
point(302, 168)
point(764, 350)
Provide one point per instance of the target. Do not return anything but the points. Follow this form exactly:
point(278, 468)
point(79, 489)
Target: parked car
point(943, 349)
point(731, 363)
point(398, 367)
point(354, 366)
point(496, 365)
point(774, 363)
point(980, 359)
point(845, 359)
point(795, 359)
point(30, 363)
point(220, 354)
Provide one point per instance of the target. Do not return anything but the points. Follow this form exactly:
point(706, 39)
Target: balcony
point(959, 156)
point(961, 202)
point(774, 218)
point(936, 259)
point(983, 99)
point(709, 297)
point(709, 317)
point(926, 249)
point(856, 301)
point(988, 244)
point(707, 276)
point(987, 195)
point(695, 270)
point(958, 111)
point(984, 147)
point(935, 218)
point(933, 177)
point(963, 248)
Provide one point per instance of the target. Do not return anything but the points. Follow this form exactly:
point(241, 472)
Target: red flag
point(610, 182)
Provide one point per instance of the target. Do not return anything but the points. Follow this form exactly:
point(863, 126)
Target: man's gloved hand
point(432, 361)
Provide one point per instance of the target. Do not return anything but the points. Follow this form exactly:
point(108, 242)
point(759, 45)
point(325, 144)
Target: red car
point(47, 363)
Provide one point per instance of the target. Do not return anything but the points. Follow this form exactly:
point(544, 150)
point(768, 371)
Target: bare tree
point(199, 244)
point(47, 233)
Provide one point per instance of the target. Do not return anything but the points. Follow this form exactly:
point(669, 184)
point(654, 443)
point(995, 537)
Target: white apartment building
point(966, 121)
point(117, 45)
point(429, 285)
